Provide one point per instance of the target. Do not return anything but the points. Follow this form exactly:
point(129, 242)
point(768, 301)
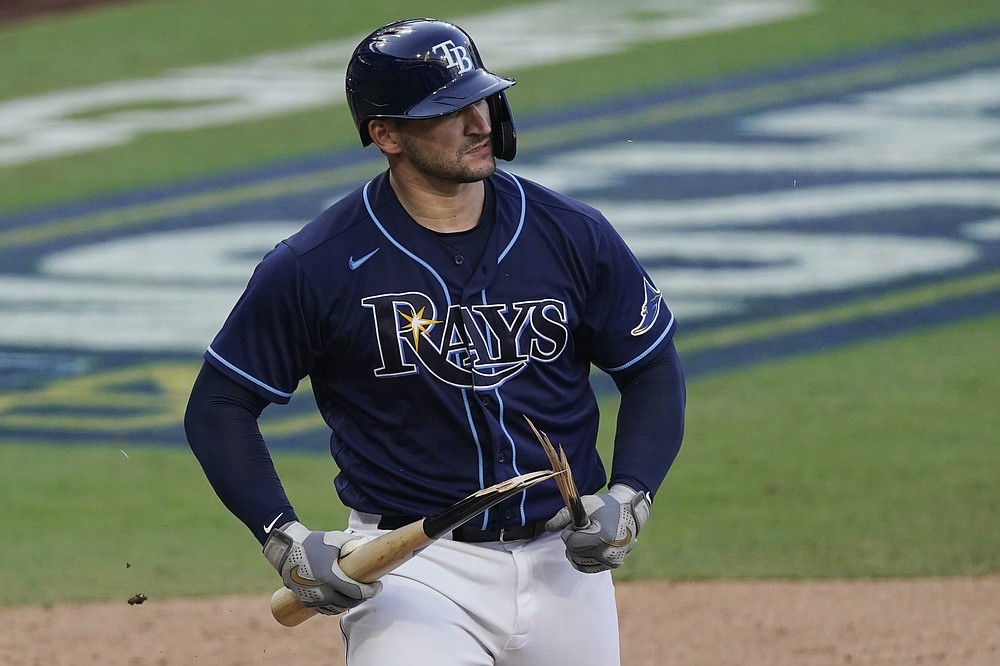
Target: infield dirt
point(953, 621)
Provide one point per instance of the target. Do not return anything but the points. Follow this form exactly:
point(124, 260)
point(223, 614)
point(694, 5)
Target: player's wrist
point(281, 540)
point(640, 501)
point(622, 492)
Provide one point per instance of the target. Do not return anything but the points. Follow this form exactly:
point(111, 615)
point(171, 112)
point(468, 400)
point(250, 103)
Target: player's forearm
point(221, 427)
point(650, 422)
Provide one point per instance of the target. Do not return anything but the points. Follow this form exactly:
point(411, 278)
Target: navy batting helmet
point(425, 68)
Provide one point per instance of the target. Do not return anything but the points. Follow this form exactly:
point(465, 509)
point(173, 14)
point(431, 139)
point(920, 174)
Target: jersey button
point(501, 458)
point(459, 259)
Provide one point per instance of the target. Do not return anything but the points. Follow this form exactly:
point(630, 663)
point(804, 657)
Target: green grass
point(87, 523)
point(810, 467)
point(875, 460)
point(149, 38)
point(878, 460)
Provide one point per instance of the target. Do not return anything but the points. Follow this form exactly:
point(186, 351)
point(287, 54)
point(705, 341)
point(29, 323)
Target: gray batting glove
point(307, 562)
point(615, 521)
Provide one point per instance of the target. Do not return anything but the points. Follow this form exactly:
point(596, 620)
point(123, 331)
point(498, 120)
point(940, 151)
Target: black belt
point(470, 534)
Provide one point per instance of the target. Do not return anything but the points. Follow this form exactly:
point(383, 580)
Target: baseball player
point(433, 309)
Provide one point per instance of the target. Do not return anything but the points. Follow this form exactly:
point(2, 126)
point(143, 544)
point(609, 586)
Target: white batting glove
point(616, 518)
point(307, 562)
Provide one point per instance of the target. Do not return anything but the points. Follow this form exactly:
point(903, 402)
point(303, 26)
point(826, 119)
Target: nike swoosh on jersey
point(619, 543)
point(268, 528)
point(356, 264)
point(298, 579)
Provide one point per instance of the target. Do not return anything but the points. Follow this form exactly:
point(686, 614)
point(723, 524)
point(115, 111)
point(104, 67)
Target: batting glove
point(307, 562)
point(615, 521)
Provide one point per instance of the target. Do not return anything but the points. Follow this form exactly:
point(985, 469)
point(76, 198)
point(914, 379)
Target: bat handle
point(365, 562)
point(288, 610)
point(581, 520)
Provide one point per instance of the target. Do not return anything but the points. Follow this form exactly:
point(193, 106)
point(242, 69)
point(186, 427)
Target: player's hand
point(307, 562)
point(616, 518)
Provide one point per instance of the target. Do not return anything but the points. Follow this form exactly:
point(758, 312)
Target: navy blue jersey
point(424, 363)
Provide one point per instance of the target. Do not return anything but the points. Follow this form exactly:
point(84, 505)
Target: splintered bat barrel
point(567, 487)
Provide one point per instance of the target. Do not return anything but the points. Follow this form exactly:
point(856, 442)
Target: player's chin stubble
point(456, 169)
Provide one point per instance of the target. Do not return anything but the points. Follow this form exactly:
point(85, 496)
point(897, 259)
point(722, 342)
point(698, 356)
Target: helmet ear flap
point(504, 135)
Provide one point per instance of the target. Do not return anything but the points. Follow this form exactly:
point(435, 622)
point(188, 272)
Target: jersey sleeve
point(633, 332)
point(650, 420)
point(627, 316)
point(221, 427)
point(265, 344)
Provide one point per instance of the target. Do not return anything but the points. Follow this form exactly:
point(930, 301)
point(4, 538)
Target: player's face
point(455, 148)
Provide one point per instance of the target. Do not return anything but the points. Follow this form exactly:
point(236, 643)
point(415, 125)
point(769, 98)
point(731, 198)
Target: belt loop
point(503, 532)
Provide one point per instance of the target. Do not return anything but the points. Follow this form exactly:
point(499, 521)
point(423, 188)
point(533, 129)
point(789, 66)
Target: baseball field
point(814, 185)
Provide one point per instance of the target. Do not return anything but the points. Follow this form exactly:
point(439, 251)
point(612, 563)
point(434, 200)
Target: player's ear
point(383, 132)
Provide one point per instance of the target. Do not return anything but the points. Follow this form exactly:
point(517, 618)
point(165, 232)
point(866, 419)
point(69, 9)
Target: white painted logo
point(937, 150)
point(457, 57)
point(80, 120)
point(923, 147)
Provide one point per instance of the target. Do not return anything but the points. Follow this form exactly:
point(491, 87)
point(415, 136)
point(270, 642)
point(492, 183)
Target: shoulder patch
point(650, 308)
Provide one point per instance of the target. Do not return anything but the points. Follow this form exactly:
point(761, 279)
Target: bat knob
point(288, 610)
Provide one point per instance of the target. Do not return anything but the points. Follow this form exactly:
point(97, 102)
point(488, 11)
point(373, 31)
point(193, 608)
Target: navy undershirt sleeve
point(650, 421)
point(221, 427)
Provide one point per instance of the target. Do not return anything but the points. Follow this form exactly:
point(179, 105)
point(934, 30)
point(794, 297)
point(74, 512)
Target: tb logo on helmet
point(425, 68)
point(457, 56)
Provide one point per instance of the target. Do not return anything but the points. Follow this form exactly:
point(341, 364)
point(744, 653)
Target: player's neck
point(445, 208)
